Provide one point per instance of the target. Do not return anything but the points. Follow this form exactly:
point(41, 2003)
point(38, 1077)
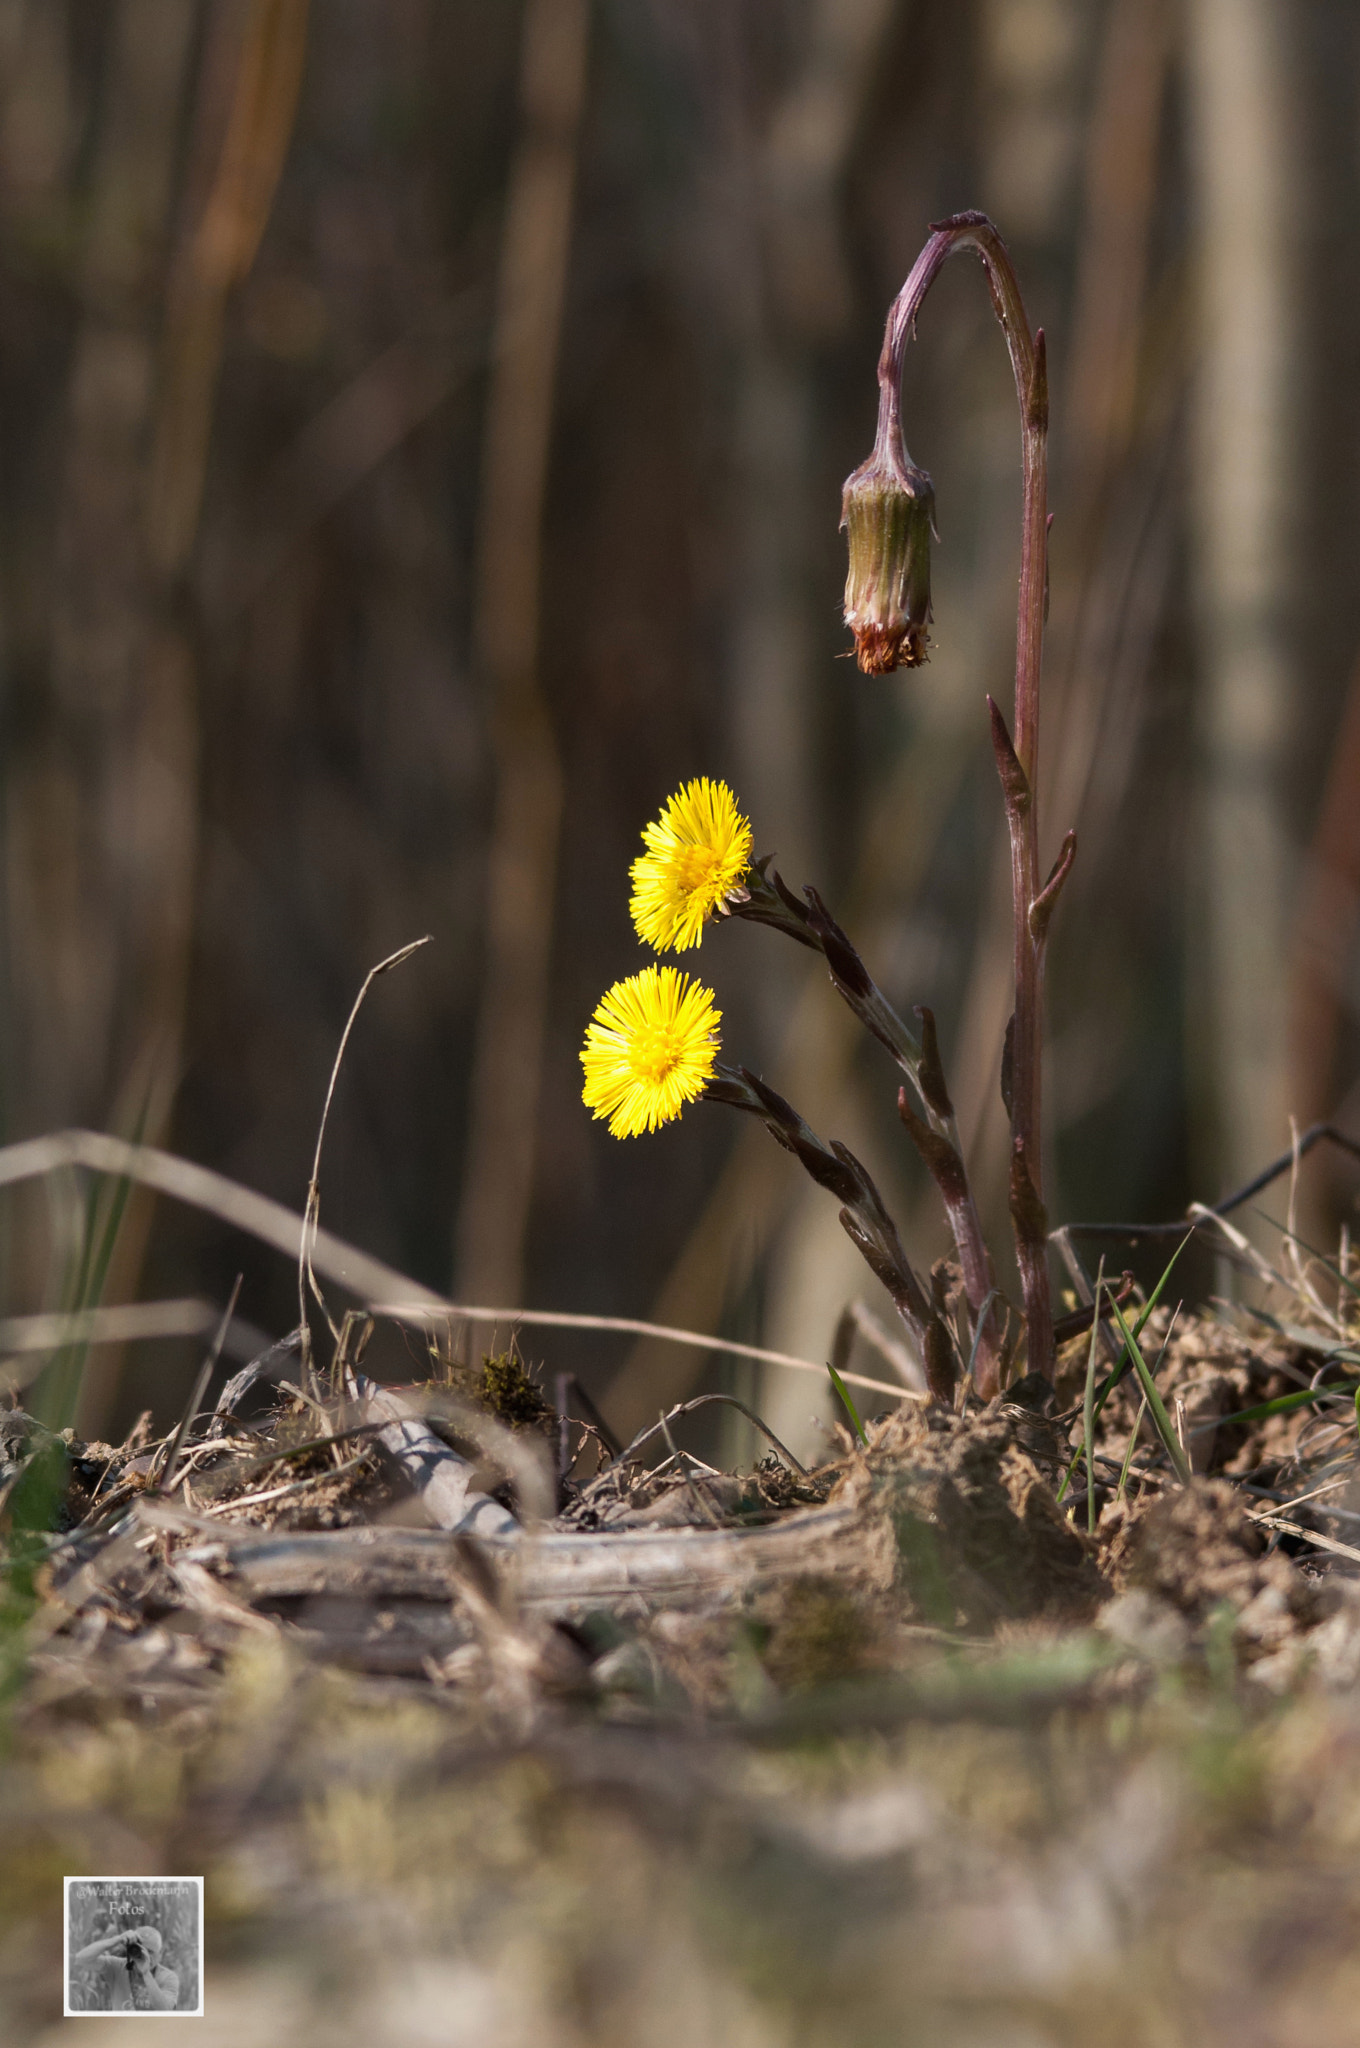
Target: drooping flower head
point(650, 1048)
point(697, 852)
point(888, 517)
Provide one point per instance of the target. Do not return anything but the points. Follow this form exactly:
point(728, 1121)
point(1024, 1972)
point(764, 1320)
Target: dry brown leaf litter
point(559, 1822)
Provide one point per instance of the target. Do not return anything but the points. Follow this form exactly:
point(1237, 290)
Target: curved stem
point(1018, 761)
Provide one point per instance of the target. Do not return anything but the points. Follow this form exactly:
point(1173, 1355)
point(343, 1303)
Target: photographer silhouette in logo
point(131, 1962)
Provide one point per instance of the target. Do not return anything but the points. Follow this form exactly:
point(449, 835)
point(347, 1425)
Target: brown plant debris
point(679, 1586)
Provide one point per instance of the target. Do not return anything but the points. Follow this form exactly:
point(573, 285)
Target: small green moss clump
point(512, 1395)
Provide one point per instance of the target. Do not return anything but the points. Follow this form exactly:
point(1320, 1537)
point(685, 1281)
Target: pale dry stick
point(1269, 1521)
point(199, 1187)
point(440, 1477)
point(380, 1286)
point(560, 1571)
point(186, 1316)
point(520, 1454)
point(895, 1353)
point(306, 1277)
point(1296, 1500)
point(255, 1500)
point(562, 1319)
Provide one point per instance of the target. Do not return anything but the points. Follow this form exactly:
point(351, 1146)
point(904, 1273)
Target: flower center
point(654, 1054)
point(693, 868)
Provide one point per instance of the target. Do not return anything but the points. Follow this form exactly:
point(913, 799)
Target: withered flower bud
point(888, 514)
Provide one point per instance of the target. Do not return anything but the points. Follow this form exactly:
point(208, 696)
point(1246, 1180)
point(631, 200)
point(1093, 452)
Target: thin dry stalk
point(561, 1319)
point(306, 1277)
point(385, 1291)
point(125, 1324)
point(200, 1188)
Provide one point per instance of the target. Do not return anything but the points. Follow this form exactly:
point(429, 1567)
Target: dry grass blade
point(294, 1486)
point(1273, 1521)
point(703, 1401)
point(386, 1291)
point(1254, 1260)
point(200, 1386)
point(889, 1347)
point(306, 1276)
point(200, 1188)
point(125, 1324)
point(679, 1458)
point(563, 1319)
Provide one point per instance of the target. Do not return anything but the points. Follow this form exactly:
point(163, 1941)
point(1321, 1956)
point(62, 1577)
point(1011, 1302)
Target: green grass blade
point(839, 1384)
point(1088, 1408)
point(1128, 1455)
point(1103, 1393)
point(1154, 1400)
point(57, 1394)
point(1283, 1404)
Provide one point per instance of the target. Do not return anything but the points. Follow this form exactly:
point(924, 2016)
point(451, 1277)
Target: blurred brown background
point(421, 432)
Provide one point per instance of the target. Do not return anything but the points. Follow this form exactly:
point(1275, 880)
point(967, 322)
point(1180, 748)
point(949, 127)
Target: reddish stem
point(1017, 761)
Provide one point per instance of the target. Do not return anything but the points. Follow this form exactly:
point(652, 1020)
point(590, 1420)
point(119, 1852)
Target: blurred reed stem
point(498, 1172)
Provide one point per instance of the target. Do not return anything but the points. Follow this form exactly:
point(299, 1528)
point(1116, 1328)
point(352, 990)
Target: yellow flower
point(697, 852)
point(650, 1047)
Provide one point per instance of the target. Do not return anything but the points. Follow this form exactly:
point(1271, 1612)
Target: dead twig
point(306, 1276)
point(701, 1401)
point(296, 1486)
